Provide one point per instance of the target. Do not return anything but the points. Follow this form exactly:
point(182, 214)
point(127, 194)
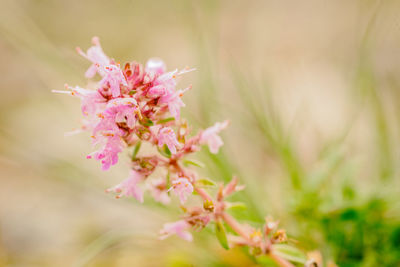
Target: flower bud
point(279, 236)
point(270, 225)
point(208, 205)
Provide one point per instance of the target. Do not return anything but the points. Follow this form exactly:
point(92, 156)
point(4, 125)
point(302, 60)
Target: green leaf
point(165, 120)
point(165, 151)
point(221, 234)
point(236, 205)
point(136, 149)
point(196, 163)
point(146, 122)
point(204, 182)
point(290, 253)
point(168, 180)
point(132, 92)
point(266, 260)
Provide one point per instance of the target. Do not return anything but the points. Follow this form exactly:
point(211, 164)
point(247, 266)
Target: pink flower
point(107, 132)
point(90, 99)
point(134, 73)
point(113, 77)
point(108, 153)
point(126, 114)
point(174, 102)
point(129, 187)
point(197, 218)
point(157, 91)
point(182, 188)
point(167, 80)
point(96, 55)
point(159, 192)
point(116, 111)
point(156, 66)
point(179, 228)
point(106, 126)
point(164, 87)
point(124, 110)
point(91, 102)
point(167, 136)
point(210, 136)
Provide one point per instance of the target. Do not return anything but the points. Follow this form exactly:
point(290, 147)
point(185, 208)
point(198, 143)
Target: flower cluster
point(137, 104)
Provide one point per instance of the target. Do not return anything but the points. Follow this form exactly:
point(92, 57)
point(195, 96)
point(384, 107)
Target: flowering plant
point(134, 105)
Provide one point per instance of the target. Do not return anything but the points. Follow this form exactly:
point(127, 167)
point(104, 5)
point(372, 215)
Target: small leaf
point(165, 120)
point(146, 122)
point(136, 149)
point(196, 163)
point(236, 205)
point(221, 234)
point(165, 151)
point(290, 253)
point(266, 260)
point(205, 182)
point(168, 180)
point(132, 92)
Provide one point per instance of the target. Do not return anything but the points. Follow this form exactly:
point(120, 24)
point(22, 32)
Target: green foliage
point(146, 122)
point(221, 234)
point(165, 151)
point(290, 253)
point(166, 120)
point(236, 205)
point(205, 182)
point(359, 234)
point(328, 210)
point(136, 149)
point(196, 163)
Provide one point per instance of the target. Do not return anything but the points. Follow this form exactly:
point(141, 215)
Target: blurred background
point(312, 89)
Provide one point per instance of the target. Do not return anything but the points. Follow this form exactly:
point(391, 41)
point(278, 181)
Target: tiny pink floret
point(96, 55)
point(178, 228)
point(174, 102)
point(108, 153)
point(182, 188)
point(129, 187)
point(167, 136)
point(159, 192)
point(211, 138)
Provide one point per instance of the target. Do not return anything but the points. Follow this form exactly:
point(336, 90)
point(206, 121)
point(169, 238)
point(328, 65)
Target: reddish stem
point(235, 226)
point(238, 228)
point(203, 194)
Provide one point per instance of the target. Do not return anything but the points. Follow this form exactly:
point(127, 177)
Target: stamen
point(61, 92)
